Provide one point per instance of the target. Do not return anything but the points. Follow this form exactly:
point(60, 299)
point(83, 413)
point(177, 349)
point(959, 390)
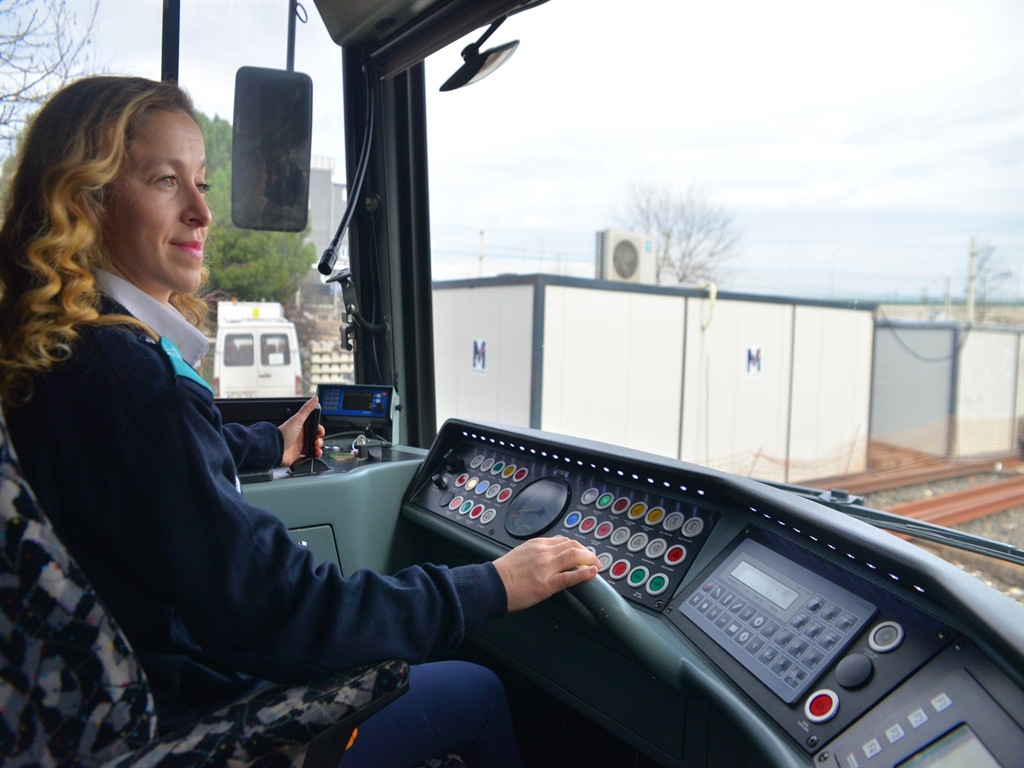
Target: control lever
point(309, 464)
point(623, 622)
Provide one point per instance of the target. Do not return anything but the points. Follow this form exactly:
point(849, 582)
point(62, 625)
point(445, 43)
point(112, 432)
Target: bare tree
point(43, 45)
point(989, 279)
point(695, 236)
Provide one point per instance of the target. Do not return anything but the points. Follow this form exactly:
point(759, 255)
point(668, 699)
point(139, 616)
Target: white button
point(941, 702)
point(917, 718)
point(621, 535)
point(638, 542)
point(693, 527)
point(894, 733)
point(656, 548)
point(673, 522)
point(872, 748)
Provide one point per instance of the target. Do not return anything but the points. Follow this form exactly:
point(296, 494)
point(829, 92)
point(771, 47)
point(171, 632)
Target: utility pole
point(972, 278)
point(481, 267)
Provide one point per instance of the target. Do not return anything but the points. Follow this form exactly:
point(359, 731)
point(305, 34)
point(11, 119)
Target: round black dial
point(537, 507)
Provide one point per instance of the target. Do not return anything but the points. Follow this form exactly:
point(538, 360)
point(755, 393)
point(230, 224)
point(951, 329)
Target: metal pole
point(291, 34)
point(972, 278)
point(171, 35)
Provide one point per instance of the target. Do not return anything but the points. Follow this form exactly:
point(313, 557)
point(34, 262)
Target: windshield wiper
point(920, 529)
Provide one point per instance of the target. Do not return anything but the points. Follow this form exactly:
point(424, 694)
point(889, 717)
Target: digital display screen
point(357, 401)
point(354, 403)
point(764, 585)
point(956, 749)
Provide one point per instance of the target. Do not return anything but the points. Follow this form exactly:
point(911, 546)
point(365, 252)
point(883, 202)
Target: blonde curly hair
point(51, 241)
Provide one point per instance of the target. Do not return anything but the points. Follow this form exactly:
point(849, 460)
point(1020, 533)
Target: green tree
point(246, 264)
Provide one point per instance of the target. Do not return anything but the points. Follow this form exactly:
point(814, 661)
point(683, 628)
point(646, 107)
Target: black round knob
point(854, 671)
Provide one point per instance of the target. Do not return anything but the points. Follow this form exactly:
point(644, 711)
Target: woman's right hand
point(539, 568)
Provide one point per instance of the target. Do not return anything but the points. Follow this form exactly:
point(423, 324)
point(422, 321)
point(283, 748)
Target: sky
point(858, 147)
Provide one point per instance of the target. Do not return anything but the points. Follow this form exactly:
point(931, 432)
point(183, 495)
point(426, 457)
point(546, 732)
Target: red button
point(675, 554)
point(821, 706)
point(619, 569)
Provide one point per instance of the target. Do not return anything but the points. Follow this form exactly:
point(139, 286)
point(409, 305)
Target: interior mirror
point(270, 149)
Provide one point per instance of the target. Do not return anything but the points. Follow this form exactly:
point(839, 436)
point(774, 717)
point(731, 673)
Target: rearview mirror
point(270, 149)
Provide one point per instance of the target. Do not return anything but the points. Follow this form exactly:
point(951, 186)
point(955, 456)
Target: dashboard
point(830, 642)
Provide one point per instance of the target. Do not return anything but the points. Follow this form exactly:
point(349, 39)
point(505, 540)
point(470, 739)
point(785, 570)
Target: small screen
point(956, 749)
point(764, 585)
point(355, 402)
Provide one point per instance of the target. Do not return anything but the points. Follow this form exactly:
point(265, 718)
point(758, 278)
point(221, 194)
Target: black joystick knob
point(454, 462)
point(309, 464)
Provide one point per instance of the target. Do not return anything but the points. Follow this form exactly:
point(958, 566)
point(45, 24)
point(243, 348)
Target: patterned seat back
point(71, 690)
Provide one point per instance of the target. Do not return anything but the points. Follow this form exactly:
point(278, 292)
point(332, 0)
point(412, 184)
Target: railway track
point(946, 509)
point(872, 482)
point(961, 506)
point(993, 487)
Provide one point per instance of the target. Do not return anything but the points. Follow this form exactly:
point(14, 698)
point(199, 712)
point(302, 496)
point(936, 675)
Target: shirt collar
point(162, 318)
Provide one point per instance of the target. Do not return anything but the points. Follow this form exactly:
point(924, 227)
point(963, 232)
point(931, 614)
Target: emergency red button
point(676, 554)
point(821, 705)
point(619, 569)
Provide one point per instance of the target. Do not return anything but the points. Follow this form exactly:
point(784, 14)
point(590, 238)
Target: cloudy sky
point(857, 146)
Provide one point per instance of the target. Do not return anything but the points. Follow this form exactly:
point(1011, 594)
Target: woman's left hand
point(291, 431)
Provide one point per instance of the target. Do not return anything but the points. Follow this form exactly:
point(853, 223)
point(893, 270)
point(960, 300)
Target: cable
point(964, 333)
point(330, 255)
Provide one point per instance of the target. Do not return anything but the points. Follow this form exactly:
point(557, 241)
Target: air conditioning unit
point(626, 257)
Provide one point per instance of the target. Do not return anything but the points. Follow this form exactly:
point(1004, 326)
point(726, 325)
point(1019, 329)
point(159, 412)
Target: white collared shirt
point(162, 318)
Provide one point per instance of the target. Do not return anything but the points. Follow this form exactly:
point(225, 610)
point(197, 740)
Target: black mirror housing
point(270, 149)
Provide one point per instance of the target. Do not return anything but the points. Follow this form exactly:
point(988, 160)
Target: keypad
point(789, 652)
point(783, 622)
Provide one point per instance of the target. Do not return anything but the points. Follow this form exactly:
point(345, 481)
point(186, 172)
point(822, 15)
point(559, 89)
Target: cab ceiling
point(396, 34)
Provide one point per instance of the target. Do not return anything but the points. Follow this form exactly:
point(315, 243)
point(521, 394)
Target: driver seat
point(73, 693)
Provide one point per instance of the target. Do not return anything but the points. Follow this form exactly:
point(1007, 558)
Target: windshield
point(782, 240)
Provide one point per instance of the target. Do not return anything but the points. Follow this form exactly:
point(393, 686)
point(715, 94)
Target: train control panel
point(644, 537)
point(841, 644)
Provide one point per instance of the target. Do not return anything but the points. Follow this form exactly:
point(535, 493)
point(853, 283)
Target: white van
point(256, 352)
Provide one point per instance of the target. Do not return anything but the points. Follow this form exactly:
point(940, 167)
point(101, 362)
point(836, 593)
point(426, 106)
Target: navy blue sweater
point(138, 475)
